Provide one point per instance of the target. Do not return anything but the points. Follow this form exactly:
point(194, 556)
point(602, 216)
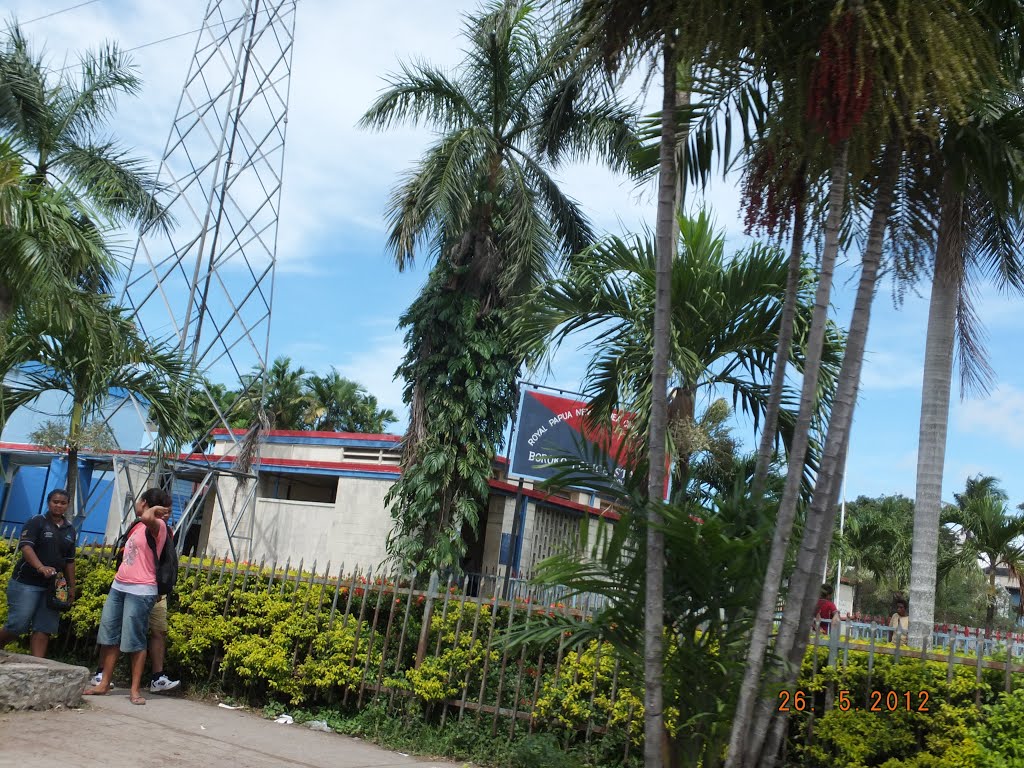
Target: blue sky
point(338, 297)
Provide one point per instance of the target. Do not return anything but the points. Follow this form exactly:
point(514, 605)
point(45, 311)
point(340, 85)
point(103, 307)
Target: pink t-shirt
point(138, 567)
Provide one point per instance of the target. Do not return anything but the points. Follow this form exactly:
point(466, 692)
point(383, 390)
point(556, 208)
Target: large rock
point(30, 683)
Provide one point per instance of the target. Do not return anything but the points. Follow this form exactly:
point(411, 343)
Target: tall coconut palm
point(88, 364)
point(622, 33)
point(820, 518)
point(57, 123)
point(981, 231)
point(483, 206)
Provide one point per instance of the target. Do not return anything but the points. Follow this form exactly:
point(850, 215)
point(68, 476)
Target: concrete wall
point(352, 530)
point(343, 519)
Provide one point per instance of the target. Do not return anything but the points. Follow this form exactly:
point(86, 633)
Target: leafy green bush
point(949, 734)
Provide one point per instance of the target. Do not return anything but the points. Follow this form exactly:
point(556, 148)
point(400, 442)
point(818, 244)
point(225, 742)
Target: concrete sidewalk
point(110, 732)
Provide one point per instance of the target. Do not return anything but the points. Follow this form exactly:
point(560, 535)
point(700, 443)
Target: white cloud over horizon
point(999, 417)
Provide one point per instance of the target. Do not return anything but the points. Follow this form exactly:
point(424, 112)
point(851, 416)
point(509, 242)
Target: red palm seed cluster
point(841, 82)
point(770, 191)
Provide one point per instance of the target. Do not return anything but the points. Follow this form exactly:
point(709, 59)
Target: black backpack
point(166, 564)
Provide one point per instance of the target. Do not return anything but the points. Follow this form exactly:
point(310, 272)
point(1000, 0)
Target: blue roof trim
point(325, 471)
point(333, 441)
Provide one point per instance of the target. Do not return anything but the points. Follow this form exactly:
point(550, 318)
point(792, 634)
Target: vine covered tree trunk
point(460, 370)
point(654, 598)
point(769, 726)
point(761, 634)
point(935, 391)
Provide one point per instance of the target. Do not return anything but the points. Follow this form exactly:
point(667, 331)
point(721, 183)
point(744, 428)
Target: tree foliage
point(70, 184)
point(91, 363)
point(293, 398)
point(94, 436)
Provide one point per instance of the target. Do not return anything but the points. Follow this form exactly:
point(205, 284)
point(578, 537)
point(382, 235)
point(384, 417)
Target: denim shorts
point(125, 621)
point(27, 609)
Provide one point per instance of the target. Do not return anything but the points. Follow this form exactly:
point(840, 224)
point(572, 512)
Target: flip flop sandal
point(137, 700)
point(94, 692)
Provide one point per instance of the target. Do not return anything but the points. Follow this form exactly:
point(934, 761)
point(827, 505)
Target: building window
point(322, 489)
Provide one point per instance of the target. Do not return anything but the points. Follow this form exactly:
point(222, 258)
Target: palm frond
point(119, 185)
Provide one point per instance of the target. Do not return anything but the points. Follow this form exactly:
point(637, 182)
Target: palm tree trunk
point(821, 515)
point(654, 597)
point(990, 611)
point(74, 435)
point(770, 428)
point(764, 621)
point(931, 447)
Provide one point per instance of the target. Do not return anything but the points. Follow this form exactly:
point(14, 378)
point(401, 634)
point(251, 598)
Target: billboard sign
point(552, 433)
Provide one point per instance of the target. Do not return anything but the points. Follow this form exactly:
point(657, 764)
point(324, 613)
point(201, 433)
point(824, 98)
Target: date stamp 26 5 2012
point(876, 701)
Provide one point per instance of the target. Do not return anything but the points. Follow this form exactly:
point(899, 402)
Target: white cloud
point(375, 369)
point(1000, 416)
point(884, 370)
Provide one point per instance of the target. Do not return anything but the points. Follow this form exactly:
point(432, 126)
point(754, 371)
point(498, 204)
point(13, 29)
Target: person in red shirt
point(826, 609)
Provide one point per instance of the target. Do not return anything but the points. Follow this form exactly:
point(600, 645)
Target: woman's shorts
point(27, 609)
point(125, 621)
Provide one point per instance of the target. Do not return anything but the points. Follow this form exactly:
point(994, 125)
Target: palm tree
point(56, 124)
point(992, 534)
point(722, 540)
point(482, 203)
point(622, 33)
point(724, 331)
point(43, 240)
point(899, 94)
point(88, 363)
point(877, 541)
point(285, 399)
point(981, 227)
point(342, 405)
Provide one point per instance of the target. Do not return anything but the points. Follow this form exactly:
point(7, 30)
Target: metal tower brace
point(207, 284)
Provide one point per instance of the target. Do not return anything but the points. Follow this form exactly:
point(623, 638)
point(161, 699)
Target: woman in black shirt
point(47, 547)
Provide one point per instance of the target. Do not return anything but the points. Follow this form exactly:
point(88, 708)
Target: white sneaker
point(98, 678)
point(163, 684)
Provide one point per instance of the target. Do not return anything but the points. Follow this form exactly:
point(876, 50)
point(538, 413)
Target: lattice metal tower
point(208, 283)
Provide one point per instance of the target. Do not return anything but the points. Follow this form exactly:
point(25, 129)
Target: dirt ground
point(110, 732)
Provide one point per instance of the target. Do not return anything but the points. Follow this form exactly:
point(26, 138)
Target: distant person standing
point(900, 622)
point(47, 546)
point(826, 610)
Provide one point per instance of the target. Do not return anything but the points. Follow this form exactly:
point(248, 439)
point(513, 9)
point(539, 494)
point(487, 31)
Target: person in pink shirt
point(124, 624)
